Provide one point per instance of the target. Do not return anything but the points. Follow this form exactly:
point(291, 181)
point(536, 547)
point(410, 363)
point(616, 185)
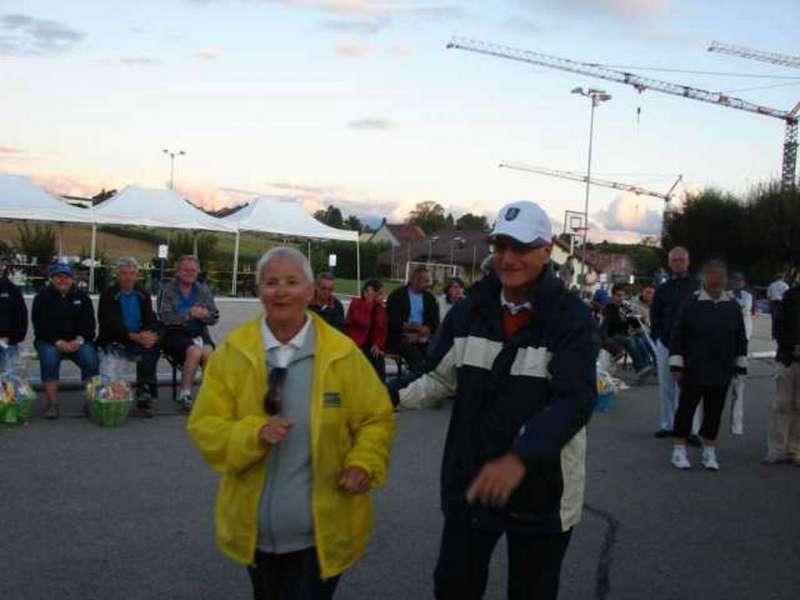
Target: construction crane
point(641, 84)
point(773, 58)
point(573, 176)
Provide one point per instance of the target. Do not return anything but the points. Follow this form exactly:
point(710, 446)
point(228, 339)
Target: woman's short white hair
point(285, 253)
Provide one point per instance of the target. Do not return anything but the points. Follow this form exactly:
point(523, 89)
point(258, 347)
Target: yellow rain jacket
point(352, 424)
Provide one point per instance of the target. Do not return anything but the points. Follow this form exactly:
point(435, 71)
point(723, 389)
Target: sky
point(358, 103)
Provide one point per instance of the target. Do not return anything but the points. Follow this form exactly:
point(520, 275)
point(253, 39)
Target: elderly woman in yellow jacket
point(298, 424)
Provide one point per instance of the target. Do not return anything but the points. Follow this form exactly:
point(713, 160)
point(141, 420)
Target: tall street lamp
point(172, 156)
point(596, 97)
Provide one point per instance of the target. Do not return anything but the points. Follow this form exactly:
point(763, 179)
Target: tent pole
point(358, 266)
point(60, 240)
point(309, 251)
point(194, 248)
point(93, 251)
point(235, 264)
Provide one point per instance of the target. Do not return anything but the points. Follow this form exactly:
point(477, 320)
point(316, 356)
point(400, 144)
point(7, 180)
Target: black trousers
point(146, 360)
point(292, 576)
point(378, 362)
point(413, 354)
point(713, 398)
point(534, 563)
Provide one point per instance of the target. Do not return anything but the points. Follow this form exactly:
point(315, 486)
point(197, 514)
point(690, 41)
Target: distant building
point(618, 267)
point(398, 235)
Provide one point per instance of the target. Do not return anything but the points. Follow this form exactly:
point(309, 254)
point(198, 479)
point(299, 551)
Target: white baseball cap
point(524, 221)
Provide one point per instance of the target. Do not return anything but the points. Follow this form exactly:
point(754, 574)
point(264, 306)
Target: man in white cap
point(519, 355)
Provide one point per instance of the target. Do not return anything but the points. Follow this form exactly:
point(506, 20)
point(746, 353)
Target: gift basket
point(109, 395)
point(605, 391)
point(16, 394)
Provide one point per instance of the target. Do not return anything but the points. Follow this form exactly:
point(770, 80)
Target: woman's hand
point(275, 430)
point(354, 480)
point(375, 351)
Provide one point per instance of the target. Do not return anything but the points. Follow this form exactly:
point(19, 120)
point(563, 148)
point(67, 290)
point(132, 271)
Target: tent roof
point(279, 215)
point(147, 207)
point(22, 199)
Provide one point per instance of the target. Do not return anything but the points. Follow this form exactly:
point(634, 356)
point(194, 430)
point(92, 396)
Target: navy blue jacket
point(708, 340)
point(13, 312)
point(531, 395)
point(788, 327)
point(667, 300)
point(56, 317)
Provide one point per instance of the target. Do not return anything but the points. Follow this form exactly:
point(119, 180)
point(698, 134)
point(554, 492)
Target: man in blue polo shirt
point(128, 327)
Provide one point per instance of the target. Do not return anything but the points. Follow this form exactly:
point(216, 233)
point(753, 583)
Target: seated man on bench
point(64, 327)
point(128, 327)
point(187, 308)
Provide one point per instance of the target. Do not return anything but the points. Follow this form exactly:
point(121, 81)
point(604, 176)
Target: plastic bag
point(109, 394)
point(16, 394)
point(606, 388)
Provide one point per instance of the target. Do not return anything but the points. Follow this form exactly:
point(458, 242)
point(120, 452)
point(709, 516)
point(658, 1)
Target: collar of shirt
point(284, 352)
point(513, 308)
point(704, 296)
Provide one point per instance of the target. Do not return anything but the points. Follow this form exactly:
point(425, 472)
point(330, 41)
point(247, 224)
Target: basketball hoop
point(579, 230)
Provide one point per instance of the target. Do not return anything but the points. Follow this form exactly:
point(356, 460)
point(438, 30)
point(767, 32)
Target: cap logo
point(512, 213)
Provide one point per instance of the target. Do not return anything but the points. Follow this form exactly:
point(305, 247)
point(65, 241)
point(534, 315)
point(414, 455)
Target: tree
point(470, 222)
point(37, 242)
point(354, 223)
point(759, 234)
point(331, 216)
point(429, 216)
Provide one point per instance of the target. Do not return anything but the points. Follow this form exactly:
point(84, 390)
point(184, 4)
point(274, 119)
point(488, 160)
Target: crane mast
point(773, 58)
point(642, 84)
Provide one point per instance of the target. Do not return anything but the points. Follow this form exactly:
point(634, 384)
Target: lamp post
point(596, 97)
point(431, 241)
point(456, 241)
point(172, 155)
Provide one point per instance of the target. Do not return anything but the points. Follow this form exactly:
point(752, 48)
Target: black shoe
point(662, 433)
point(694, 440)
point(146, 406)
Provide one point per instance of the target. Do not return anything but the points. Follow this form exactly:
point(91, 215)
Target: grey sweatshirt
point(285, 522)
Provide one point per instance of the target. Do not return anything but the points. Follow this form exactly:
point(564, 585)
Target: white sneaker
point(710, 459)
point(185, 400)
point(679, 458)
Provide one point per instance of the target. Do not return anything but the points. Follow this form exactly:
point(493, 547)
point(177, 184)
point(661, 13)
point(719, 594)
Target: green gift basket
point(16, 400)
point(110, 402)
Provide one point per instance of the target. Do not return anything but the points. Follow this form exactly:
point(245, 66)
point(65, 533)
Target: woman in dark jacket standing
point(366, 324)
point(708, 346)
point(13, 315)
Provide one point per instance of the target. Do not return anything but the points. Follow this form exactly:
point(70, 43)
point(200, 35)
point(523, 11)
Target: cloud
point(371, 124)
point(614, 8)
point(363, 27)
point(302, 188)
point(63, 185)
point(630, 213)
point(353, 51)
point(398, 50)
point(23, 35)
point(209, 54)
point(139, 61)
point(524, 25)
point(10, 151)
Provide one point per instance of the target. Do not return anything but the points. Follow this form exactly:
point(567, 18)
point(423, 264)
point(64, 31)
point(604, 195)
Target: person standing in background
point(708, 346)
point(736, 391)
point(775, 293)
point(783, 443)
point(667, 300)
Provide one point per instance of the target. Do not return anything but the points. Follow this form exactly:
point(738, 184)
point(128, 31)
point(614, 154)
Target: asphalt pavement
point(127, 513)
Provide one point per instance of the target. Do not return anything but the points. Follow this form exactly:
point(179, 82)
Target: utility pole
point(172, 156)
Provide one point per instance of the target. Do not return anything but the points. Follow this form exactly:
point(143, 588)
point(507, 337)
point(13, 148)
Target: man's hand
point(354, 480)
point(375, 351)
point(199, 312)
point(61, 346)
point(275, 430)
point(148, 339)
point(497, 481)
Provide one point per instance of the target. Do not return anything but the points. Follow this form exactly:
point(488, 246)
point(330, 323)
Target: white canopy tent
point(148, 207)
point(22, 200)
point(282, 216)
